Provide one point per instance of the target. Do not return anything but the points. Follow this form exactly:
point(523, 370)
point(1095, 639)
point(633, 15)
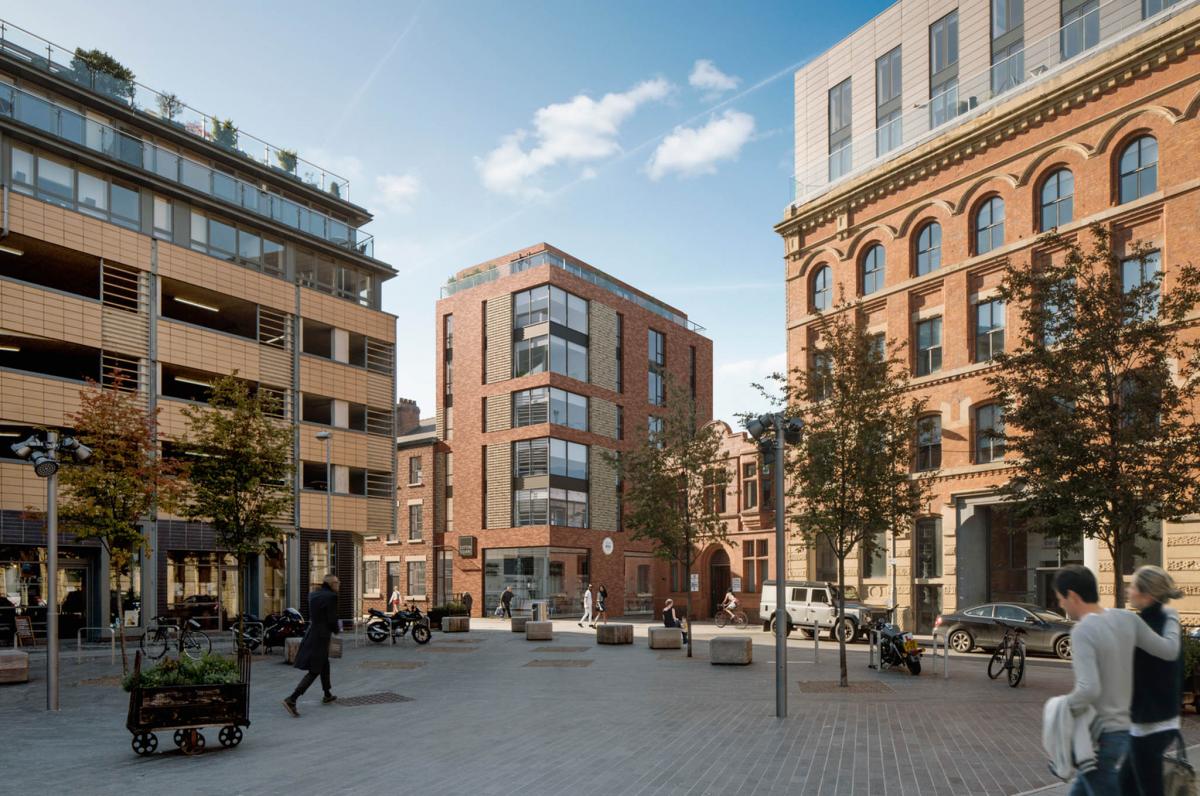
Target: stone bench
point(614, 634)
point(14, 666)
point(518, 623)
point(456, 624)
point(731, 650)
point(665, 638)
point(539, 631)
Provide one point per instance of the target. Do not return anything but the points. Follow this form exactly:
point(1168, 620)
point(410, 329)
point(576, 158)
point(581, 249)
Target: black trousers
point(507, 609)
point(308, 679)
point(1142, 771)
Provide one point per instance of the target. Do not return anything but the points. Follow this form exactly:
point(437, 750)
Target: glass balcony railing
point(61, 62)
point(583, 272)
point(1089, 33)
point(64, 123)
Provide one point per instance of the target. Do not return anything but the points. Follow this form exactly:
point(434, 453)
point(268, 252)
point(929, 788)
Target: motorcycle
point(897, 647)
point(382, 626)
point(272, 631)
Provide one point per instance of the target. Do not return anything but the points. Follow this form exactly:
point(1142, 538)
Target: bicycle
point(1010, 655)
point(725, 616)
point(189, 639)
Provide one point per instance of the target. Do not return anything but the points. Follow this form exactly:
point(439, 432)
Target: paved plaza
point(490, 713)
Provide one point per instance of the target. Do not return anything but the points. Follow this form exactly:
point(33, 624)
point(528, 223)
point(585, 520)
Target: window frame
point(932, 253)
point(820, 304)
point(993, 334)
point(1055, 178)
point(925, 357)
point(990, 204)
point(876, 256)
point(929, 443)
point(993, 445)
point(1139, 172)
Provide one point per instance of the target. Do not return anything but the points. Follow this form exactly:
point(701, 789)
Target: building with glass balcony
point(142, 239)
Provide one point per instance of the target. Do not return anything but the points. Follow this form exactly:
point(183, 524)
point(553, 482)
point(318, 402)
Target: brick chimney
point(408, 415)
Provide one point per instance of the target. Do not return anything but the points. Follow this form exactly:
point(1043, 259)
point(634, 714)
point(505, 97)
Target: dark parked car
point(976, 627)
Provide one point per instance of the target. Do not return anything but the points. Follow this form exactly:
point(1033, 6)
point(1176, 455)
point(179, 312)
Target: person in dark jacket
point(506, 601)
point(467, 601)
point(313, 654)
point(671, 618)
point(1157, 688)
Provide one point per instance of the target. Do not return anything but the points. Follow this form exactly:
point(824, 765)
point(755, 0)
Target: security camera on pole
point(45, 457)
point(783, 430)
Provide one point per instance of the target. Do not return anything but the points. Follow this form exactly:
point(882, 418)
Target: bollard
point(816, 643)
point(873, 649)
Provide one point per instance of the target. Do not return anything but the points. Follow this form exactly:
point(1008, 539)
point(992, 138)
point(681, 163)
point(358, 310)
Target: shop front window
point(202, 586)
point(557, 576)
point(638, 597)
point(274, 573)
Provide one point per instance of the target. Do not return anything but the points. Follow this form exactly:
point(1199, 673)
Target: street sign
point(736, 585)
point(607, 545)
point(695, 582)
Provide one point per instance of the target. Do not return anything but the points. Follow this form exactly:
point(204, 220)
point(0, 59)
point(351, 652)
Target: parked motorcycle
point(382, 626)
point(273, 630)
point(897, 647)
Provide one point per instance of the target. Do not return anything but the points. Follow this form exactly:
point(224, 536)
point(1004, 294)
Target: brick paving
point(632, 722)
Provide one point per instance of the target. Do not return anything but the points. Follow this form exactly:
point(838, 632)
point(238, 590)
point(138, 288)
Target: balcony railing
point(586, 274)
point(68, 125)
point(61, 62)
point(1081, 38)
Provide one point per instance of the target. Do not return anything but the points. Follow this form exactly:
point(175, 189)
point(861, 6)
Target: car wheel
point(847, 628)
point(961, 641)
point(1062, 648)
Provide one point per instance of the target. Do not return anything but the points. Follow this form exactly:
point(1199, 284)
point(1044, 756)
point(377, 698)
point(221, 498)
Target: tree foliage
point(670, 482)
point(107, 73)
point(1099, 395)
point(849, 478)
point(108, 497)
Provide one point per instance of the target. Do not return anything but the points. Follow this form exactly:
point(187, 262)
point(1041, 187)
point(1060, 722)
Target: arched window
point(929, 442)
point(989, 225)
point(1139, 169)
point(822, 288)
point(929, 248)
point(989, 434)
point(1058, 199)
point(872, 270)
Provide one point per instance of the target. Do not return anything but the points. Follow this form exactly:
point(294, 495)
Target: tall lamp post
point(785, 429)
point(325, 436)
point(45, 457)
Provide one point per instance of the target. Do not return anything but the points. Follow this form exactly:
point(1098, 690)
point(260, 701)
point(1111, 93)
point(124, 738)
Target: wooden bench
point(14, 666)
point(614, 634)
point(665, 638)
point(731, 651)
point(539, 631)
point(456, 624)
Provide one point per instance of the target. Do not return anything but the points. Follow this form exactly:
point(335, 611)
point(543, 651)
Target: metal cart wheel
point(230, 736)
point(193, 742)
point(144, 743)
point(180, 737)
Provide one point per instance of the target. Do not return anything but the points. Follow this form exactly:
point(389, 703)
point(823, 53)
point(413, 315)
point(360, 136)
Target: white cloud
point(580, 130)
point(707, 77)
point(732, 393)
point(689, 151)
point(397, 191)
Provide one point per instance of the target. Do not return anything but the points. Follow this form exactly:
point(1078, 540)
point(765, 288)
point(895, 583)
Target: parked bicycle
point(188, 639)
point(1010, 655)
point(725, 617)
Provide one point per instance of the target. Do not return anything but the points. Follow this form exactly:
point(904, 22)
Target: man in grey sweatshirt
point(1102, 646)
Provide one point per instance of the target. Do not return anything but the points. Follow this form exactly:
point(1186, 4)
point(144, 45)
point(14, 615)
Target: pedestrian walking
point(602, 605)
point(467, 601)
point(313, 654)
point(394, 600)
point(506, 601)
point(671, 618)
point(1102, 652)
point(1157, 687)
point(587, 607)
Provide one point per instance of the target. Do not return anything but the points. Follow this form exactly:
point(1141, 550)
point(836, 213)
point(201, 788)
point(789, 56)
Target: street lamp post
point(786, 430)
point(326, 437)
point(45, 459)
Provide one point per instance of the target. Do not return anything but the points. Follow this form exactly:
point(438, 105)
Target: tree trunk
point(1118, 579)
point(243, 600)
point(121, 628)
point(687, 584)
point(837, 627)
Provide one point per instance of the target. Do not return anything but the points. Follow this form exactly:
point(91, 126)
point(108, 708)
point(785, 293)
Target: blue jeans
point(1102, 780)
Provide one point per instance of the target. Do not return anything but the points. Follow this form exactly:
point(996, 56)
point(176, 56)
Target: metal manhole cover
point(392, 664)
point(101, 681)
point(561, 649)
point(559, 664)
point(382, 698)
point(832, 687)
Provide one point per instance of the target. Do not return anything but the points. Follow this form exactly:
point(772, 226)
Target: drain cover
point(560, 664)
point(392, 664)
point(561, 649)
point(101, 681)
point(382, 698)
point(831, 687)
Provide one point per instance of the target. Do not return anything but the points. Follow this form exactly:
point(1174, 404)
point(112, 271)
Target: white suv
point(815, 601)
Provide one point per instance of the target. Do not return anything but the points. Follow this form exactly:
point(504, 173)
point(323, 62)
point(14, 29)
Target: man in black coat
point(313, 654)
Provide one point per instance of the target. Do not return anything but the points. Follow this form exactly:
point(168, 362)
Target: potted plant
point(169, 106)
point(101, 72)
point(224, 133)
point(445, 609)
point(335, 189)
point(286, 159)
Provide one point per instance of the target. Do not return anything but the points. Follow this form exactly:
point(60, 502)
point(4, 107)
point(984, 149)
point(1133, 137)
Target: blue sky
point(650, 139)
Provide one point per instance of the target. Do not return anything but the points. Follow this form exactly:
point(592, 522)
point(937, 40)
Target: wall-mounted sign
point(466, 546)
point(735, 585)
point(695, 581)
point(607, 545)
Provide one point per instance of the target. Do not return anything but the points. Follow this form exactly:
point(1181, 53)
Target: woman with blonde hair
point(1157, 687)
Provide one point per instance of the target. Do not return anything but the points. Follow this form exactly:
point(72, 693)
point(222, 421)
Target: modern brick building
point(933, 144)
point(139, 237)
point(546, 366)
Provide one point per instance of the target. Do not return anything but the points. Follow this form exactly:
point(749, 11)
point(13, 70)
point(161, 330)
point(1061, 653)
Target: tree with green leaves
point(239, 453)
point(108, 497)
point(671, 481)
point(1100, 393)
point(104, 73)
point(850, 477)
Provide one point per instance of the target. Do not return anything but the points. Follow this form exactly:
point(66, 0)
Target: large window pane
point(222, 238)
point(91, 191)
point(126, 205)
point(55, 181)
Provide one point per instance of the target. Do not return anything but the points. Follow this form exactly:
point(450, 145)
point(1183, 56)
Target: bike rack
point(262, 644)
point(112, 644)
point(945, 644)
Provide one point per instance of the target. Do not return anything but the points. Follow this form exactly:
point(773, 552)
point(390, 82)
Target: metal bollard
point(873, 653)
point(816, 643)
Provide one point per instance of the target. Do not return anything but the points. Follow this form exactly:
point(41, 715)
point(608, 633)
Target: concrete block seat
point(518, 623)
point(291, 648)
point(14, 666)
point(665, 638)
point(614, 634)
point(456, 624)
point(539, 631)
point(731, 651)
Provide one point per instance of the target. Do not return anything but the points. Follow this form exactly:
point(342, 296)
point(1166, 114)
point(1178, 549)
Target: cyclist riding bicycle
point(729, 603)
